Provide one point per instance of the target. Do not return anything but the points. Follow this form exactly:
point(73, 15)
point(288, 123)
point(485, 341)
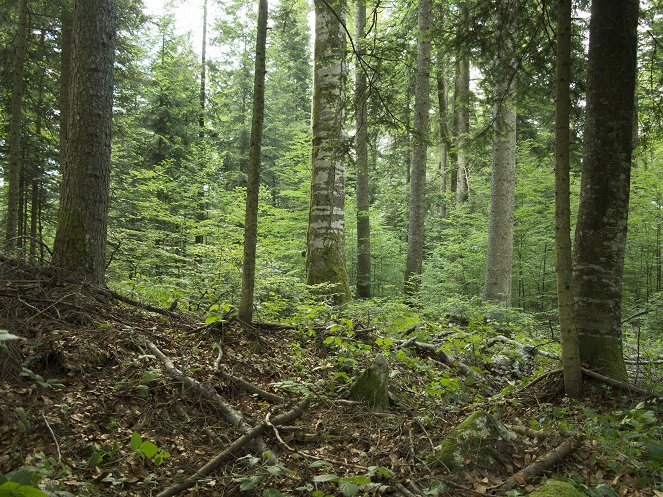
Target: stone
point(478, 441)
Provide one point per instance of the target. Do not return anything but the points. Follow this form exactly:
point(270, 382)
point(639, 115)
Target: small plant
point(50, 383)
point(148, 450)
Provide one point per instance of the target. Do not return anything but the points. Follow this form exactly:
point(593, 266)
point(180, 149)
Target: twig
point(57, 445)
point(636, 315)
point(233, 449)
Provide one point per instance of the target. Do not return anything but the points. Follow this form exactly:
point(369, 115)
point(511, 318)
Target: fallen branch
point(140, 305)
point(622, 385)
point(530, 350)
point(251, 388)
point(643, 361)
point(441, 356)
point(539, 435)
point(538, 467)
point(231, 416)
point(233, 450)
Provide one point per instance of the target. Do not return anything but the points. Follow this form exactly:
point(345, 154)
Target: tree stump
point(371, 387)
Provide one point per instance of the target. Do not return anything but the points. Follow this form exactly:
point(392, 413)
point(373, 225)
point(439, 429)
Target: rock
point(478, 441)
point(556, 488)
point(371, 387)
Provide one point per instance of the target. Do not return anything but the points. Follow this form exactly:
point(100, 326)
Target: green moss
point(555, 488)
point(371, 387)
point(480, 440)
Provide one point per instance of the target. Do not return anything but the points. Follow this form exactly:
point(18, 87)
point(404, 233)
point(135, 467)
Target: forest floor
point(86, 402)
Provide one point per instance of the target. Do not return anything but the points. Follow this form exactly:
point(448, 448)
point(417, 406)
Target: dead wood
point(441, 356)
point(234, 448)
point(622, 385)
point(147, 307)
point(531, 350)
point(539, 435)
point(232, 417)
point(251, 388)
point(538, 467)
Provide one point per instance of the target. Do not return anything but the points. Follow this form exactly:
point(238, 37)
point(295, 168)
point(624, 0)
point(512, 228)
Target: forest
point(331, 248)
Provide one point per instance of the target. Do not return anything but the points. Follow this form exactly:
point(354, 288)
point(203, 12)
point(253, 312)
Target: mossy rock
point(372, 386)
point(556, 488)
point(478, 441)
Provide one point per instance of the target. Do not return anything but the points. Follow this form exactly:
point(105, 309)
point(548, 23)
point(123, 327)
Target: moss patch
point(480, 440)
point(556, 488)
point(371, 387)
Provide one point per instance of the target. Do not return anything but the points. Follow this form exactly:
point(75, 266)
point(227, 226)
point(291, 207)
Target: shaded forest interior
point(338, 248)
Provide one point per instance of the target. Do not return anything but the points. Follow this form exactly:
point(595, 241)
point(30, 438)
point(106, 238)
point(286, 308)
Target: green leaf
point(136, 440)
point(320, 464)
point(249, 483)
point(13, 489)
point(270, 492)
point(275, 470)
point(148, 449)
point(324, 478)
point(359, 479)
point(347, 488)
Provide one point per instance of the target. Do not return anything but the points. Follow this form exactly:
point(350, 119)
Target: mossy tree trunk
point(253, 185)
point(80, 240)
point(604, 191)
point(417, 212)
point(325, 254)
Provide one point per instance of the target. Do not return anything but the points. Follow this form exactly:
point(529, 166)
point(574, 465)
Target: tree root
point(233, 449)
point(622, 385)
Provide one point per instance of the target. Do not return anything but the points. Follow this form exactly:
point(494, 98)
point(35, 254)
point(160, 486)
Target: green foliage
point(147, 449)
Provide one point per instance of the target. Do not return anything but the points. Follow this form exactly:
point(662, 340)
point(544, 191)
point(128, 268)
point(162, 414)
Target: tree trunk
point(499, 256)
point(325, 254)
point(361, 148)
point(201, 208)
point(80, 240)
point(569, 335)
point(415, 235)
point(253, 185)
point(444, 139)
point(462, 109)
point(65, 81)
point(15, 128)
point(604, 196)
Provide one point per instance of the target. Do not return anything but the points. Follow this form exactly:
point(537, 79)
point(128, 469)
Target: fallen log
point(234, 448)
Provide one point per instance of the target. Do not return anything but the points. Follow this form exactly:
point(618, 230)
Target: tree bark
point(568, 332)
point(361, 149)
point(462, 110)
point(65, 81)
point(499, 256)
point(417, 214)
point(325, 254)
point(604, 196)
point(443, 132)
point(80, 240)
point(253, 185)
point(201, 208)
point(15, 128)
